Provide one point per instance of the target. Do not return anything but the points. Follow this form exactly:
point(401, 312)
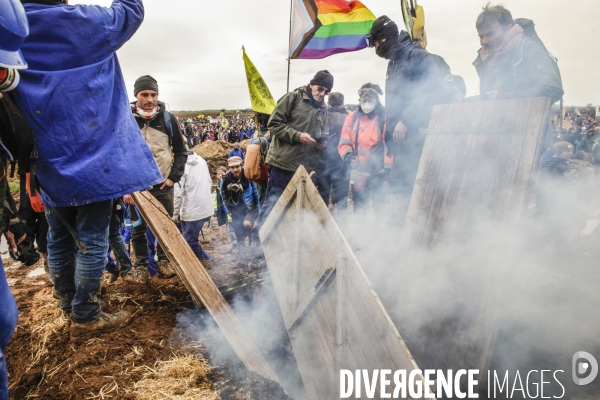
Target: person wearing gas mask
point(239, 199)
point(416, 81)
point(363, 148)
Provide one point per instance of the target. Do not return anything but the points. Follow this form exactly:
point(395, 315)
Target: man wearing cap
point(236, 151)
point(239, 199)
point(416, 81)
point(299, 132)
point(161, 131)
point(90, 150)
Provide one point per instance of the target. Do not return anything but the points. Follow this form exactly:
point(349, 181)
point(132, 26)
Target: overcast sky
point(193, 47)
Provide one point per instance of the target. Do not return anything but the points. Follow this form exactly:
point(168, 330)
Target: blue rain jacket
point(73, 96)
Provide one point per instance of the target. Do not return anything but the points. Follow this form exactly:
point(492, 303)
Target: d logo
point(580, 367)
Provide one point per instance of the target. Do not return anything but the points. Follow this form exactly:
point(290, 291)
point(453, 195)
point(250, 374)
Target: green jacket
point(293, 115)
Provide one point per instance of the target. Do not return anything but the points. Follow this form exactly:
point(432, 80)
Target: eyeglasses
point(370, 41)
point(321, 89)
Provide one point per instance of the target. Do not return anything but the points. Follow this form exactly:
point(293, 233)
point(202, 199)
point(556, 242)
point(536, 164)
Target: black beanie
point(383, 27)
point(145, 82)
point(323, 78)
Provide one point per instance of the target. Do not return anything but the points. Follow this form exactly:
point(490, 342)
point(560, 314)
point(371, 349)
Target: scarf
point(387, 48)
point(145, 113)
point(499, 56)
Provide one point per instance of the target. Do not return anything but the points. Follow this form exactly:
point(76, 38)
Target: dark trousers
point(115, 239)
point(278, 181)
point(139, 243)
point(36, 227)
point(77, 274)
point(333, 180)
point(407, 157)
point(191, 231)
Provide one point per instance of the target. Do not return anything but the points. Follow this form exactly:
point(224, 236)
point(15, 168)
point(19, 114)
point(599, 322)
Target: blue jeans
point(77, 274)
point(191, 231)
point(8, 321)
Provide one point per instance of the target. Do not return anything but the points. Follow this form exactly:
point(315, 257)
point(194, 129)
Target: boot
point(103, 322)
point(165, 270)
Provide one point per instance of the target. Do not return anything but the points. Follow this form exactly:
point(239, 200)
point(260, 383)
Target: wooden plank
point(312, 296)
point(340, 325)
point(199, 284)
point(481, 170)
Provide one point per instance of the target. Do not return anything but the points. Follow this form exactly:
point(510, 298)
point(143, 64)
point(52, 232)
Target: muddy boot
point(141, 273)
point(103, 322)
point(165, 270)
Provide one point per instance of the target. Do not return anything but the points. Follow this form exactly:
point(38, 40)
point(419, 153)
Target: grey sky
point(193, 47)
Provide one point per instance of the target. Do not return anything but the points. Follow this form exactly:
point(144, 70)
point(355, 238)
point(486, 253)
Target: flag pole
point(289, 43)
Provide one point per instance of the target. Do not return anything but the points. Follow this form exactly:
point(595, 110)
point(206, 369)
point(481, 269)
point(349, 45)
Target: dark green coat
point(293, 115)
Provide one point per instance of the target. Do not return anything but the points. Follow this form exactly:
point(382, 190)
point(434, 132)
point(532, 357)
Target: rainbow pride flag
point(321, 28)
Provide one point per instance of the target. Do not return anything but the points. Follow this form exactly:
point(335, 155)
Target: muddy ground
point(43, 362)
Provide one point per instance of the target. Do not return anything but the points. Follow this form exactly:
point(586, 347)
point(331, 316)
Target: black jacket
point(335, 122)
point(416, 81)
point(176, 141)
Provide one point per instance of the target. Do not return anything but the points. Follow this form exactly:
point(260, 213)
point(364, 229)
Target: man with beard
point(416, 81)
point(161, 131)
point(239, 198)
point(511, 64)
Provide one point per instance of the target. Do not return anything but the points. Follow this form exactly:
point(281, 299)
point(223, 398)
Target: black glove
point(26, 253)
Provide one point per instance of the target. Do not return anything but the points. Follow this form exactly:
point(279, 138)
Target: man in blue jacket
point(239, 198)
point(90, 147)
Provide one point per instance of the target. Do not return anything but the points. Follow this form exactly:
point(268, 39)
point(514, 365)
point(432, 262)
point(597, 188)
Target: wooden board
point(334, 318)
point(198, 282)
point(476, 168)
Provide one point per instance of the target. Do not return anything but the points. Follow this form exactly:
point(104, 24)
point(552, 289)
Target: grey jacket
point(293, 115)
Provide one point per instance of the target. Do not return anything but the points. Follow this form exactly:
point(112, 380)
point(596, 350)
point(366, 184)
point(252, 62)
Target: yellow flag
point(260, 95)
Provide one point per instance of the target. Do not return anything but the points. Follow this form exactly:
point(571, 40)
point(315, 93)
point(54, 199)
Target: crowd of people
point(230, 128)
point(86, 185)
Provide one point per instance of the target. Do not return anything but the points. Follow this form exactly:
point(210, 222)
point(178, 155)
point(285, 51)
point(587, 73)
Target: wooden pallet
point(198, 282)
point(477, 166)
point(334, 318)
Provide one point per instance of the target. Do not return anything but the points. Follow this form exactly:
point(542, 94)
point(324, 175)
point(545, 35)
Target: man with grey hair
point(513, 62)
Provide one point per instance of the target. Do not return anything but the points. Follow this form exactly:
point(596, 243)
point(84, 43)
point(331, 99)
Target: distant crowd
point(230, 128)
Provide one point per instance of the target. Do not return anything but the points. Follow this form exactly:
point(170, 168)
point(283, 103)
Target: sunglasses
point(321, 89)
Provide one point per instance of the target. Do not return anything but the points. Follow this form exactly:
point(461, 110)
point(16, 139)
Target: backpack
point(530, 33)
point(168, 124)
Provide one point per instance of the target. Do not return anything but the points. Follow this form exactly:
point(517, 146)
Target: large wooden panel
point(475, 172)
point(334, 318)
point(199, 283)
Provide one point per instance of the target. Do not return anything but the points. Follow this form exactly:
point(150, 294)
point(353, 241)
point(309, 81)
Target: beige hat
point(234, 161)
point(559, 147)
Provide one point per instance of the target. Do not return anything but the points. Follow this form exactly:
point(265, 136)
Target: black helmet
point(383, 27)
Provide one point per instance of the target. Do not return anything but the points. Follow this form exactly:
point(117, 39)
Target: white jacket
point(193, 198)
